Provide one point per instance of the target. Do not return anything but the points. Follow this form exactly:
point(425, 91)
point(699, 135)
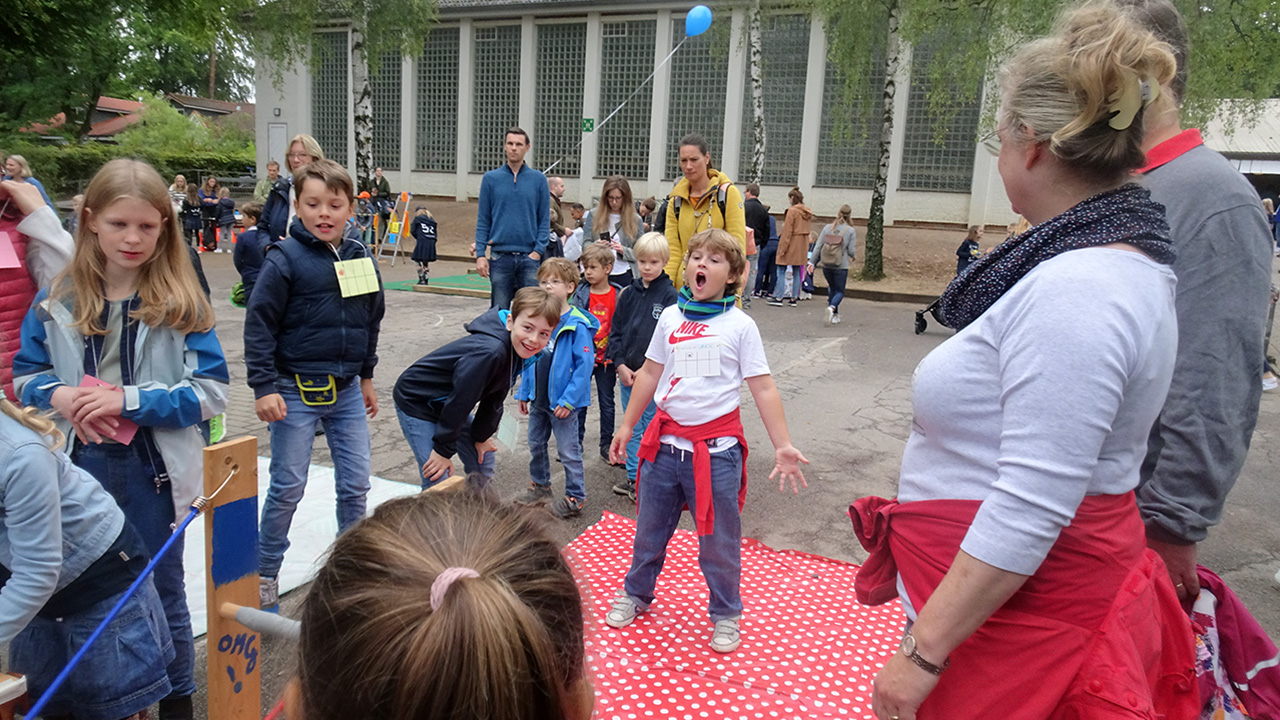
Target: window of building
point(385, 84)
point(557, 125)
point(699, 81)
point(496, 104)
point(937, 156)
point(330, 95)
point(437, 107)
point(849, 141)
point(626, 62)
point(784, 68)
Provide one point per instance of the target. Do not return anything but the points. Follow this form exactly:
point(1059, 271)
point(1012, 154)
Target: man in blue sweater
point(513, 222)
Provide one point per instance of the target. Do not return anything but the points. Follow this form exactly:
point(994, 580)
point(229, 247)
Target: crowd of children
point(121, 351)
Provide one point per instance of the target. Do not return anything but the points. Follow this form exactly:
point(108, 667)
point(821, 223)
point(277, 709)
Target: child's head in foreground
point(558, 277)
point(251, 211)
point(715, 265)
point(533, 317)
point(326, 199)
point(597, 261)
point(442, 605)
point(652, 254)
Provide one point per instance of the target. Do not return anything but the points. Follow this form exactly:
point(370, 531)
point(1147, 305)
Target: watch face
point(908, 644)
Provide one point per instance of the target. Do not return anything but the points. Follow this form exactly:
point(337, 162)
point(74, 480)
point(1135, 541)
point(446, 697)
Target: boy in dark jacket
point(226, 219)
point(436, 395)
point(311, 340)
point(250, 250)
point(423, 230)
point(636, 316)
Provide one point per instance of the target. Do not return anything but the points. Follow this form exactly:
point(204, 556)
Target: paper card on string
point(356, 277)
point(8, 255)
point(697, 358)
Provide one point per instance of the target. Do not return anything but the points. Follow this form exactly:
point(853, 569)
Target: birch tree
point(282, 32)
point(1233, 51)
point(759, 139)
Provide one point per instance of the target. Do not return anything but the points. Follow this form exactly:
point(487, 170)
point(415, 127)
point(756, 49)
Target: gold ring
point(1178, 585)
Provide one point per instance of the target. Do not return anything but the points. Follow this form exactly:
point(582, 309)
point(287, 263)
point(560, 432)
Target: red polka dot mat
point(809, 650)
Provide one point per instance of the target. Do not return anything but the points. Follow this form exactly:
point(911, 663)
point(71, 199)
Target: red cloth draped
point(17, 290)
point(727, 425)
point(1096, 633)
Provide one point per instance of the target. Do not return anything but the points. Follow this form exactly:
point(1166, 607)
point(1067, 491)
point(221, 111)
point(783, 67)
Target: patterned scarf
point(703, 309)
point(1126, 214)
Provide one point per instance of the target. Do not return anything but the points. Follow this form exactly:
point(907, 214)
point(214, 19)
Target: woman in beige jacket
point(793, 247)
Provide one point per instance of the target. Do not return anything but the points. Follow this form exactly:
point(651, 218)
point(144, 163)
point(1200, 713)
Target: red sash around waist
point(1097, 632)
point(727, 425)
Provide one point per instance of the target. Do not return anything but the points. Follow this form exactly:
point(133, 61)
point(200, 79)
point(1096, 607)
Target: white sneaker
point(268, 592)
point(622, 613)
point(1269, 382)
point(835, 319)
point(726, 638)
point(831, 313)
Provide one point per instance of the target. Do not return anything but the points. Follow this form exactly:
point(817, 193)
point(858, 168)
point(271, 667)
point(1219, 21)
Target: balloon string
point(623, 104)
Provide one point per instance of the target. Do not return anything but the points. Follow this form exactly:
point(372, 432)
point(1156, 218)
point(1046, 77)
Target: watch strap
point(915, 657)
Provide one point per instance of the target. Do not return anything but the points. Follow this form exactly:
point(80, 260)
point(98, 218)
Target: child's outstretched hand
point(618, 448)
point(786, 460)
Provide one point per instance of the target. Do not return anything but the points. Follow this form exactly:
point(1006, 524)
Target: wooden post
point(231, 575)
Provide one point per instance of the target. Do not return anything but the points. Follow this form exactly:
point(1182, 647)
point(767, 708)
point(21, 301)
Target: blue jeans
point(780, 284)
point(508, 272)
point(292, 438)
point(606, 378)
point(129, 479)
point(421, 436)
point(835, 285)
point(121, 674)
point(542, 423)
point(666, 486)
point(765, 270)
point(633, 445)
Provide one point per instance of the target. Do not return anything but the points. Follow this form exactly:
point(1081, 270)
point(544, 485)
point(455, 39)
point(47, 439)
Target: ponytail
point(33, 420)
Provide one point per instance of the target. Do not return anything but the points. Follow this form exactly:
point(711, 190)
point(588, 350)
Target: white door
point(278, 144)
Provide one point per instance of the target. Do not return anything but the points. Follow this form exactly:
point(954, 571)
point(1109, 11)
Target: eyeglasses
point(299, 156)
point(614, 197)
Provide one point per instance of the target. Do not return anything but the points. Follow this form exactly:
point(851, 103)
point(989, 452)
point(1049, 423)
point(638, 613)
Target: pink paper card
point(127, 428)
point(8, 255)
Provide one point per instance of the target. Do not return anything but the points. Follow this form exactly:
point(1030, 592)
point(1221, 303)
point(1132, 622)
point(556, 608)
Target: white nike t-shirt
point(704, 363)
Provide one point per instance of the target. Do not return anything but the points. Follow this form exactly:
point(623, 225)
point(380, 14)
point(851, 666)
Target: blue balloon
point(697, 21)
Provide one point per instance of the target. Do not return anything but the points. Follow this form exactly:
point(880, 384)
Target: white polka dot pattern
point(809, 650)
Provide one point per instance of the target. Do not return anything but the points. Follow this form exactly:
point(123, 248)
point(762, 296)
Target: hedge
point(66, 169)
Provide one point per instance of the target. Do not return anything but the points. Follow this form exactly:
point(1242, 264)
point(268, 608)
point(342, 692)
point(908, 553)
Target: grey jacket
point(1199, 443)
point(850, 246)
point(55, 521)
point(628, 242)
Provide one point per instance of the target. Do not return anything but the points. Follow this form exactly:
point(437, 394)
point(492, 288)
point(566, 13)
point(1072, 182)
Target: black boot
point(177, 707)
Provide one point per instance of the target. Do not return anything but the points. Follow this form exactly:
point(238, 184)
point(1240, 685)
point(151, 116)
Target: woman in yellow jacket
point(700, 209)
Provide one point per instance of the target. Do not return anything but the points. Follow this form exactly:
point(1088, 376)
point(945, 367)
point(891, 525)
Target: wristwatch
point(909, 649)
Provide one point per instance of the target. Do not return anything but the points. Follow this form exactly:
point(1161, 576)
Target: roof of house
point(208, 105)
point(117, 105)
point(1257, 139)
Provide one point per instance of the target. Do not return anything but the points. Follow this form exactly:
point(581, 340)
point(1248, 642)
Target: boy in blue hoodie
point(556, 383)
point(435, 396)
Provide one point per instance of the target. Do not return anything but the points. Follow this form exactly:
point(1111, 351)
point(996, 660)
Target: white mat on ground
point(314, 527)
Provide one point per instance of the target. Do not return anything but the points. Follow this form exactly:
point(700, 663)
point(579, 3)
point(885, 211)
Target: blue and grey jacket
point(572, 354)
point(297, 321)
point(171, 383)
point(55, 521)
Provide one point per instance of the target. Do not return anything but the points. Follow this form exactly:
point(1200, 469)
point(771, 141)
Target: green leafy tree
point(166, 59)
point(1234, 47)
point(282, 32)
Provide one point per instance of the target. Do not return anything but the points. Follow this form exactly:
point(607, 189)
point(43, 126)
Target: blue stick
point(66, 671)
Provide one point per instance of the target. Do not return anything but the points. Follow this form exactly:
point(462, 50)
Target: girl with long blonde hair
point(615, 222)
point(122, 349)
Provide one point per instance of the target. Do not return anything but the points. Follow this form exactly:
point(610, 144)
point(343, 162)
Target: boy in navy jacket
point(639, 306)
point(436, 395)
point(311, 339)
point(556, 383)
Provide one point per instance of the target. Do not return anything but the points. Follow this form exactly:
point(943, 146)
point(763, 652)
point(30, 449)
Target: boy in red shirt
point(596, 295)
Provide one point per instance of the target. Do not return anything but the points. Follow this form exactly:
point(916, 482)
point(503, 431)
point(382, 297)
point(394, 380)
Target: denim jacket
point(55, 521)
point(180, 380)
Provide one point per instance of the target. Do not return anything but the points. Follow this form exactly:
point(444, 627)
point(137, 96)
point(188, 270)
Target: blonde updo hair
point(1060, 88)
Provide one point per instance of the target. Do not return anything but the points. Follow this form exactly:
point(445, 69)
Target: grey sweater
point(1045, 398)
point(1200, 440)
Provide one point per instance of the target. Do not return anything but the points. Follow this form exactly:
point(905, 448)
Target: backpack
point(832, 250)
point(721, 198)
